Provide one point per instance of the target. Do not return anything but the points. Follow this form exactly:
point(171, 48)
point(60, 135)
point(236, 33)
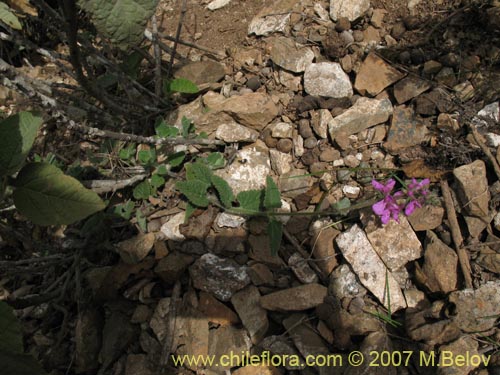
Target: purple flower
point(384, 189)
point(387, 208)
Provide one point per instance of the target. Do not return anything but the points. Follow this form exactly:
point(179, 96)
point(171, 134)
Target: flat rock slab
point(350, 9)
point(289, 55)
point(427, 217)
point(473, 188)
point(215, 311)
point(300, 298)
point(409, 88)
point(369, 268)
point(254, 318)
point(375, 75)
point(406, 130)
point(273, 18)
point(440, 265)
point(327, 79)
point(473, 306)
point(363, 114)
point(202, 72)
point(233, 132)
point(395, 243)
point(248, 171)
point(254, 109)
point(220, 276)
point(224, 341)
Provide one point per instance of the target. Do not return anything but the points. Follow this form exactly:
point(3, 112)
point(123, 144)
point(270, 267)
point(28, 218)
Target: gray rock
point(351, 9)
point(282, 130)
point(225, 340)
point(473, 188)
point(217, 4)
point(234, 132)
point(252, 315)
point(281, 163)
point(301, 269)
point(344, 283)
point(327, 79)
point(321, 126)
point(299, 298)
point(273, 18)
point(410, 87)
point(290, 55)
point(488, 115)
point(248, 170)
point(171, 228)
point(229, 221)
point(292, 185)
point(279, 345)
point(362, 115)
point(219, 276)
point(369, 268)
point(407, 130)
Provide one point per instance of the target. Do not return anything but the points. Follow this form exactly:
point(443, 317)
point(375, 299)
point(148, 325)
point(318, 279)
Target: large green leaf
point(182, 85)
point(198, 171)
point(8, 17)
point(250, 200)
point(272, 197)
point(122, 21)
point(46, 196)
point(275, 232)
point(195, 191)
point(13, 361)
point(17, 134)
point(225, 192)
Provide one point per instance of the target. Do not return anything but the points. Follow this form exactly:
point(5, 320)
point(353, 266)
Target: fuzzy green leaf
point(182, 85)
point(176, 159)
point(17, 134)
point(272, 197)
point(143, 190)
point(275, 232)
point(225, 192)
point(215, 160)
point(157, 181)
point(195, 191)
point(8, 17)
point(198, 171)
point(166, 131)
point(250, 200)
point(122, 21)
point(46, 196)
point(147, 157)
point(190, 209)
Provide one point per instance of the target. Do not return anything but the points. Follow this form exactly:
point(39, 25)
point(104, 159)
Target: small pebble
point(358, 36)
point(253, 83)
point(405, 57)
point(310, 142)
point(305, 130)
point(417, 56)
point(329, 155)
point(270, 141)
point(308, 158)
point(346, 37)
point(351, 161)
point(342, 24)
point(450, 59)
point(284, 145)
point(343, 175)
point(398, 29)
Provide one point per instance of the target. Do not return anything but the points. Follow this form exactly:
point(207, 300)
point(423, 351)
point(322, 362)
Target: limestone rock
point(289, 55)
point(299, 298)
point(225, 340)
point(351, 9)
point(281, 163)
point(254, 318)
point(406, 130)
point(234, 132)
point(375, 75)
point(473, 188)
point(171, 267)
point(135, 249)
point(215, 311)
point(344, 283)
point(273, 18)
point(327, 79)
point(427, 217)
point(201, 72)
point(410, 87)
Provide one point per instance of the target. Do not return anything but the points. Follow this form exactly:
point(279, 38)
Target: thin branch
point(157, 54)
point(95, 132)
point(177, 37)
point(107, 186)
point(217, 54)
point(486, 150)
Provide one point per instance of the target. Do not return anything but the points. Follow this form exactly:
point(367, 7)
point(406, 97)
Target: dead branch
point(177, 37)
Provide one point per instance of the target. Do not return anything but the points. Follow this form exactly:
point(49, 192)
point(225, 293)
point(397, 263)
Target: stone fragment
point(254, 109)
point(369, 268)
point(490, 114)
point(171, 228)
point(473, 188)
point(410, 87)
point(321, 12)
point(289, 55)
point(261, 251)
point(427, 217)
point(458, 357)
point(375, 75)
point(273, 18)
point(351, 9)
point(301, 269)
point(299, 298)
point(406, 130)
point(171, 267)
point(489, 259)
point(215, 311)
point(344, 283)
point(378, 17)
point(362, 115)
point(138, 364)
point(279, 345)
point(290, 81)
point(88, 336)
point(282, 130)
point(229, 221)
point(472, 305)
point(246, 302)
point(198, 226)
point(291, 184)
point(327, 79)
point(260, 274)
point(248, 171)
point(217, 4)
point(395, 243)
point(440, 265)
point(281, 163)
point(234, 132)
point(160, 319)
point(321, 126)
point(135, 249)
point(201, 72)
point(225, 340)
point(322, 246)
point(476, 225)
point(219, 276)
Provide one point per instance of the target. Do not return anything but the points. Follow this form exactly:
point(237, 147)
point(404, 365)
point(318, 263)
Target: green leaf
point(141, 221)
point(190, 209)
point(250, 200)
point(195, 191)
point(187, 127)
point(275, 232)
point(342, 206)
point(128, 152)
point(182, 85)
point(272, 197)
point(147, 157)
point(8, 17)
point(215, 160)
point(122, 21)
point(225, 192)
point(12, 357)
point(132, 63)
point(157, 181)
point(124, 210)
point(166, 131)
point(162, 170)
point(46, 196)
point(17, 134)
point(198, 171)
point(143, 190)
point(176, 159)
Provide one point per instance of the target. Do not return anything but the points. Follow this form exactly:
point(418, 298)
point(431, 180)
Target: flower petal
point(377, 185)
point(379, 208)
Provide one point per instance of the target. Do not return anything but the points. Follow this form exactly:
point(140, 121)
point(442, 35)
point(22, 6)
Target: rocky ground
point(324, 97)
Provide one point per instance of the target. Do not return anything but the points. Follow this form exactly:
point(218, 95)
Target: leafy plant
point(42, 192)
point(8, 17)
point(203, 188)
